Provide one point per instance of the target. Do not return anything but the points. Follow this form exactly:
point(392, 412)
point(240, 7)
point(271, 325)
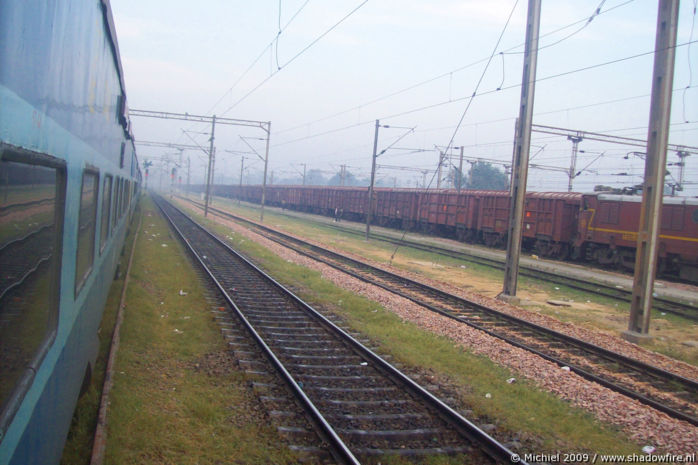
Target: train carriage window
point(86, 228)
point(117, 203)
point(31, 219)
point(121, 155)
point(127, 201)
point(694, 216)
point(106, 212)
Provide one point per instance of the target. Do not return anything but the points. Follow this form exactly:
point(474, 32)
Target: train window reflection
point(30, 222)
point(106, 207)
point(86, 228)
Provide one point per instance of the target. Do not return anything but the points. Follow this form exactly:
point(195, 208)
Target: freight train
point(596, 227)
point(69, 179)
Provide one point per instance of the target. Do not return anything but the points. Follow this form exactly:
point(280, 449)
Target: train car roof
point(109, 23)
point(638, 199)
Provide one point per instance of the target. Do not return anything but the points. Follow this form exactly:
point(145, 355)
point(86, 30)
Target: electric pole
point(438, 171)
point(460, 170)
point(655, 169)
point(266, 163)
point(573, 162)
point(682, 166)
point(188, 173)
point(210, 166)
point(373, 179)
point(521, 151)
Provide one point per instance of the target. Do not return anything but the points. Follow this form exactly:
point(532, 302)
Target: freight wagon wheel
point(564, 252)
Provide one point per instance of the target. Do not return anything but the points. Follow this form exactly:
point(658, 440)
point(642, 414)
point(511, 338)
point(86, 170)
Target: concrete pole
point(460, 169)
point(573, 162)
point(373, 179)
point(655, 169)
point(242, 169)
point(682, 166)
point(266, 164)
point(521, 152)
point(438, 171)
point(210, 166)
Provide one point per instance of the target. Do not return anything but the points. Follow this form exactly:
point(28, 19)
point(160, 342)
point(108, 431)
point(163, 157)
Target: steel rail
point(660, 304)
point(489, 445)
point(338, 448)
point(598, 351)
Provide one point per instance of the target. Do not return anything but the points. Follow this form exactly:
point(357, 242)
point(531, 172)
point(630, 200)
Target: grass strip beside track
point(177, 395)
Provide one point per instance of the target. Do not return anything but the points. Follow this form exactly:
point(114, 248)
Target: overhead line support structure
point(264, 125)
point(521, 151)
point(655, 169)
point(373, 179)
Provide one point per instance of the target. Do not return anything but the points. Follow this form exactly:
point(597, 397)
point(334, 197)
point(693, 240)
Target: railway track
point(663, 390)
point(606, 290)
point(361, 405)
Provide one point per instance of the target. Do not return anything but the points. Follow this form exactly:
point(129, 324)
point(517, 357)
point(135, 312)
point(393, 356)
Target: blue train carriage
point(68, 180)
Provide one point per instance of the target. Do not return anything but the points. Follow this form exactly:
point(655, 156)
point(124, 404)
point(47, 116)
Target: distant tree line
point(482, 175)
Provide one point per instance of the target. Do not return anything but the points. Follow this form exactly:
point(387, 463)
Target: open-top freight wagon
point(598, 227)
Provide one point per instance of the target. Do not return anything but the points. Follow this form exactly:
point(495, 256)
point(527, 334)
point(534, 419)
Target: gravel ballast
point(641, 423)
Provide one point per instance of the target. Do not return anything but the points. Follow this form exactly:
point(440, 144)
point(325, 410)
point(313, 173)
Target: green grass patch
point(177, 396)
point(78, 447)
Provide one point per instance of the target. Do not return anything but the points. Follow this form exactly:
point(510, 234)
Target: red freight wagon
point(395, 207)
point(549, 224)
point(437, 210)
point(608, 226)
point(350, 200)
point(494, 217)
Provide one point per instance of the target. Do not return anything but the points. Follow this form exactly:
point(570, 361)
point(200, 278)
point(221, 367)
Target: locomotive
point(69, 179)
point(595, 227)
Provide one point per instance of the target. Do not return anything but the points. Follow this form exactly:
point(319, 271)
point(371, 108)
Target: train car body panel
point(62, 108)
point(493, 217)
point(609, 224)
point(550, 220)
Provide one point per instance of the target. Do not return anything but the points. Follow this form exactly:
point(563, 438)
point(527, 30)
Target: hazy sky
point(409, 64)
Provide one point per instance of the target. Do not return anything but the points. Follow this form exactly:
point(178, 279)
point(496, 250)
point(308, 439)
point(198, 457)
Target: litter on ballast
point(181, 292)
point(648, 449)
point(488, 396)
point(511, 380)
point(164, 245)
point(178, 331)
point(565, 368)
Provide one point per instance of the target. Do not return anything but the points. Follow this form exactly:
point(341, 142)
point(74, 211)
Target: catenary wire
point(440, 76)
point(306, 48)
